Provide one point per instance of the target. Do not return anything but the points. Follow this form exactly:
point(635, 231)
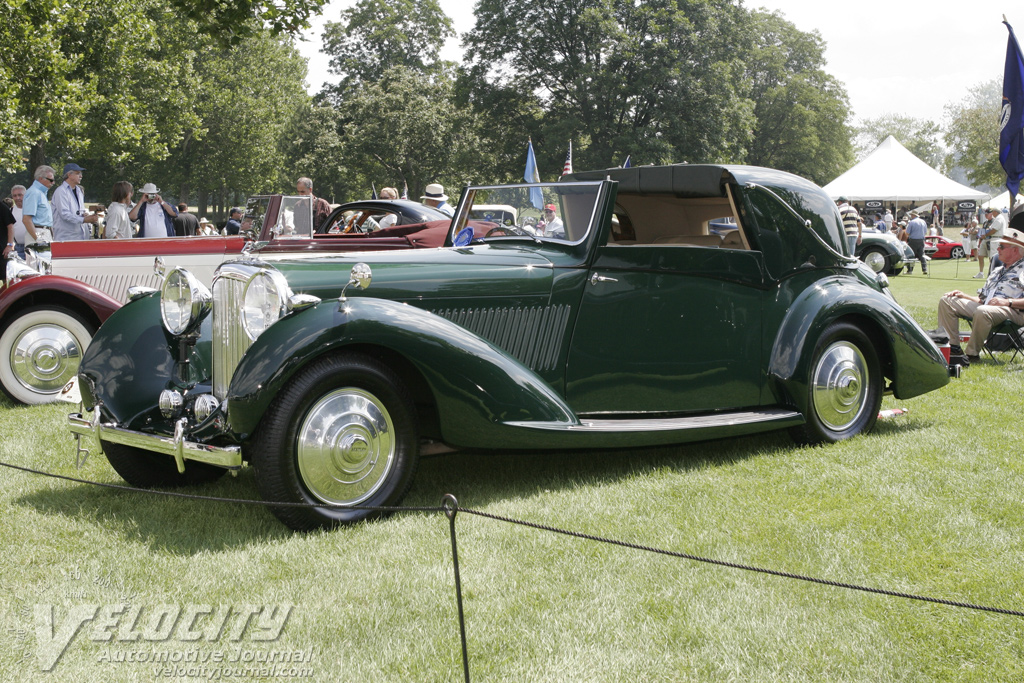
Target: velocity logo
point(123, 623)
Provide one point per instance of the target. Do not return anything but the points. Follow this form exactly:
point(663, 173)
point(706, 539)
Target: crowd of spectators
point(32, 215)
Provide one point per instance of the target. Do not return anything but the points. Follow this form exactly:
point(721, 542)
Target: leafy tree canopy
point(972, 134)
point(230, 21)
point(376, 35)
point(920, 136)
point(405, 128)
point(800, 112)
point(652, 79)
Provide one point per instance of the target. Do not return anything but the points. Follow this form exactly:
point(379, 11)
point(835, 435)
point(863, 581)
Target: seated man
point(1002, 298)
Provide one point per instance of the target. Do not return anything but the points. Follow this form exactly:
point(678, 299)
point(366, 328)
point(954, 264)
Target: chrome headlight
point(184, 302)
point(18, 270)
point(264, 302)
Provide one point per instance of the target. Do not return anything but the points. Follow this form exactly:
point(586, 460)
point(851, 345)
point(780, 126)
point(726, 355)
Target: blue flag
point(531, 175)
point(373, 189)
point(626, 164)
point(1011, 118)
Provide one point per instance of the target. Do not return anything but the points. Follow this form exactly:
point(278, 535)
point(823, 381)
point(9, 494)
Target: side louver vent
point(532, 334)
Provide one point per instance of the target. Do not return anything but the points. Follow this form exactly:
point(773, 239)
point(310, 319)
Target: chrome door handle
point(595, 278)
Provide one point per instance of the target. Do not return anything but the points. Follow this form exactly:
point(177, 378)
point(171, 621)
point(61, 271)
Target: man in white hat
point(155, 216)
point(1002, 298)
point(434, 196)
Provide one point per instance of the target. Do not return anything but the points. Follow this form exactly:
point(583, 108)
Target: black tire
point(342, 431)
point(40, 350)
point(956, 252)
point(145, 469)
point(872, 254)
point(844, 387)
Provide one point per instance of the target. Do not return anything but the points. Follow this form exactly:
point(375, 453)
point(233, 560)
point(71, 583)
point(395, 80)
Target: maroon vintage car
point(56, 301)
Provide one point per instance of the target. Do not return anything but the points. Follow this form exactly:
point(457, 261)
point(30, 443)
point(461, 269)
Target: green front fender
point(476, 386)
point(909, 357)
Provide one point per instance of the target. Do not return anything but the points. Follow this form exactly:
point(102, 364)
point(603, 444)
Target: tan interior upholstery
point(692, 240)
point(733, 240)
point(671, 220)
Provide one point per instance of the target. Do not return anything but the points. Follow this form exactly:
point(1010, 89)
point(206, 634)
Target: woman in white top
point(118, 225)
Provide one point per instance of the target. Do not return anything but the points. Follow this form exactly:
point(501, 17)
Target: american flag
point(567, 169)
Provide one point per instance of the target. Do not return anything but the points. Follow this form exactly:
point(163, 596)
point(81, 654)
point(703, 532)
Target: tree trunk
point(36, 157)
point(202, 202)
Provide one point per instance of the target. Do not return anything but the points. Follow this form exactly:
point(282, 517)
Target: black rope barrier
point(745, 567)
point(450, 507)
point(217, 499)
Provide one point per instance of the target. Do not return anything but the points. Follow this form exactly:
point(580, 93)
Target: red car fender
point(55, 290)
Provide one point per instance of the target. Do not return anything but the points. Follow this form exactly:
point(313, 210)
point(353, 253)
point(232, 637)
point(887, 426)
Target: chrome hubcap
point(346, 447)
point(45, 357)
point(875, 261)
point(840, 386)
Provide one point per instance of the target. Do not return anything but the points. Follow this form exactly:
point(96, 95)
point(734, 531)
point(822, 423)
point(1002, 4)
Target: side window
point(623, 231)
point(784, 237)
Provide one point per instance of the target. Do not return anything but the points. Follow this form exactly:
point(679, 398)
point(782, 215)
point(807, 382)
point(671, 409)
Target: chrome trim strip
point(666, 424)
point(176, 447)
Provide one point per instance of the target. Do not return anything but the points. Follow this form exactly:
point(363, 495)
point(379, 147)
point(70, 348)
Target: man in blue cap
point(70, 217)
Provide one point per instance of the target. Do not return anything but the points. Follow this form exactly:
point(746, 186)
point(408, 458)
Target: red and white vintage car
point(54, 303)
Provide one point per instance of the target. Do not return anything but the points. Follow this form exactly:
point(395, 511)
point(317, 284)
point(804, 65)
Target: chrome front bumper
point(95, 432)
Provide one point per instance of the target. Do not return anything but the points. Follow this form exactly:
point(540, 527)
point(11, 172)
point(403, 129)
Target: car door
point(668, 329)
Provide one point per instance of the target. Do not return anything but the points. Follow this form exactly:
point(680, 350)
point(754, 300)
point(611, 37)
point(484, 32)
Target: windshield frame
point(461, 218)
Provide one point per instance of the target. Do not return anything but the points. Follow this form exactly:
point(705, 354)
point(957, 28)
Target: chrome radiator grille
point(230, 341)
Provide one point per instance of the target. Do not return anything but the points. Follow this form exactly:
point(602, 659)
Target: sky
point(908, 57)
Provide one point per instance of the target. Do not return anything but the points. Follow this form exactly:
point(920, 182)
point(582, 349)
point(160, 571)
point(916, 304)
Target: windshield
point(293, 216)
point(561, 212)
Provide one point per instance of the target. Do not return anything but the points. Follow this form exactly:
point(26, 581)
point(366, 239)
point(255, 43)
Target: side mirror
point(359, 278)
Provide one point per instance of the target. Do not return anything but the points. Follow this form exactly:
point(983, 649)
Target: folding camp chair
point(1006, 336)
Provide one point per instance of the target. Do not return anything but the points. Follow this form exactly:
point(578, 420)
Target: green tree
point(376, 35)
point(972, 134)
point(230, 21)
point(315, 149)
point(800, 111)
point(406, 128)
point(653, 79)
point(248, 97)
point(96, 80)
point(920, 136)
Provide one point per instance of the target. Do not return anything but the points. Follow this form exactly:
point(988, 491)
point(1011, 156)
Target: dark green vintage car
point(883, 253)
point(635, 325)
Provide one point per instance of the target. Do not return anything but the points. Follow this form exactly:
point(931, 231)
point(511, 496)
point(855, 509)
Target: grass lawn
point(929, 503)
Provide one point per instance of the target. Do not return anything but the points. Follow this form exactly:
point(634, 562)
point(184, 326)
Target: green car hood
point(418, 275)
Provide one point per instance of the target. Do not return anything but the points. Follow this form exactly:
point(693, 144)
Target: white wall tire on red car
point(40, 350)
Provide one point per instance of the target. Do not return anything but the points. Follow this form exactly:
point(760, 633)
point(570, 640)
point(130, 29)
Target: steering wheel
point(352, 224)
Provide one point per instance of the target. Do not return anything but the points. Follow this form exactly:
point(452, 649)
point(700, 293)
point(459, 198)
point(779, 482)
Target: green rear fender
point(475, 385)
point(909, 357)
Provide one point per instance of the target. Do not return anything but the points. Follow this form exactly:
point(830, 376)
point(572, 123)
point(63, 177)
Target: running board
point(671, 424)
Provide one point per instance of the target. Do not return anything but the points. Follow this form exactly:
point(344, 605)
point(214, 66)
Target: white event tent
point(892, 173)
point(1002, 201)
